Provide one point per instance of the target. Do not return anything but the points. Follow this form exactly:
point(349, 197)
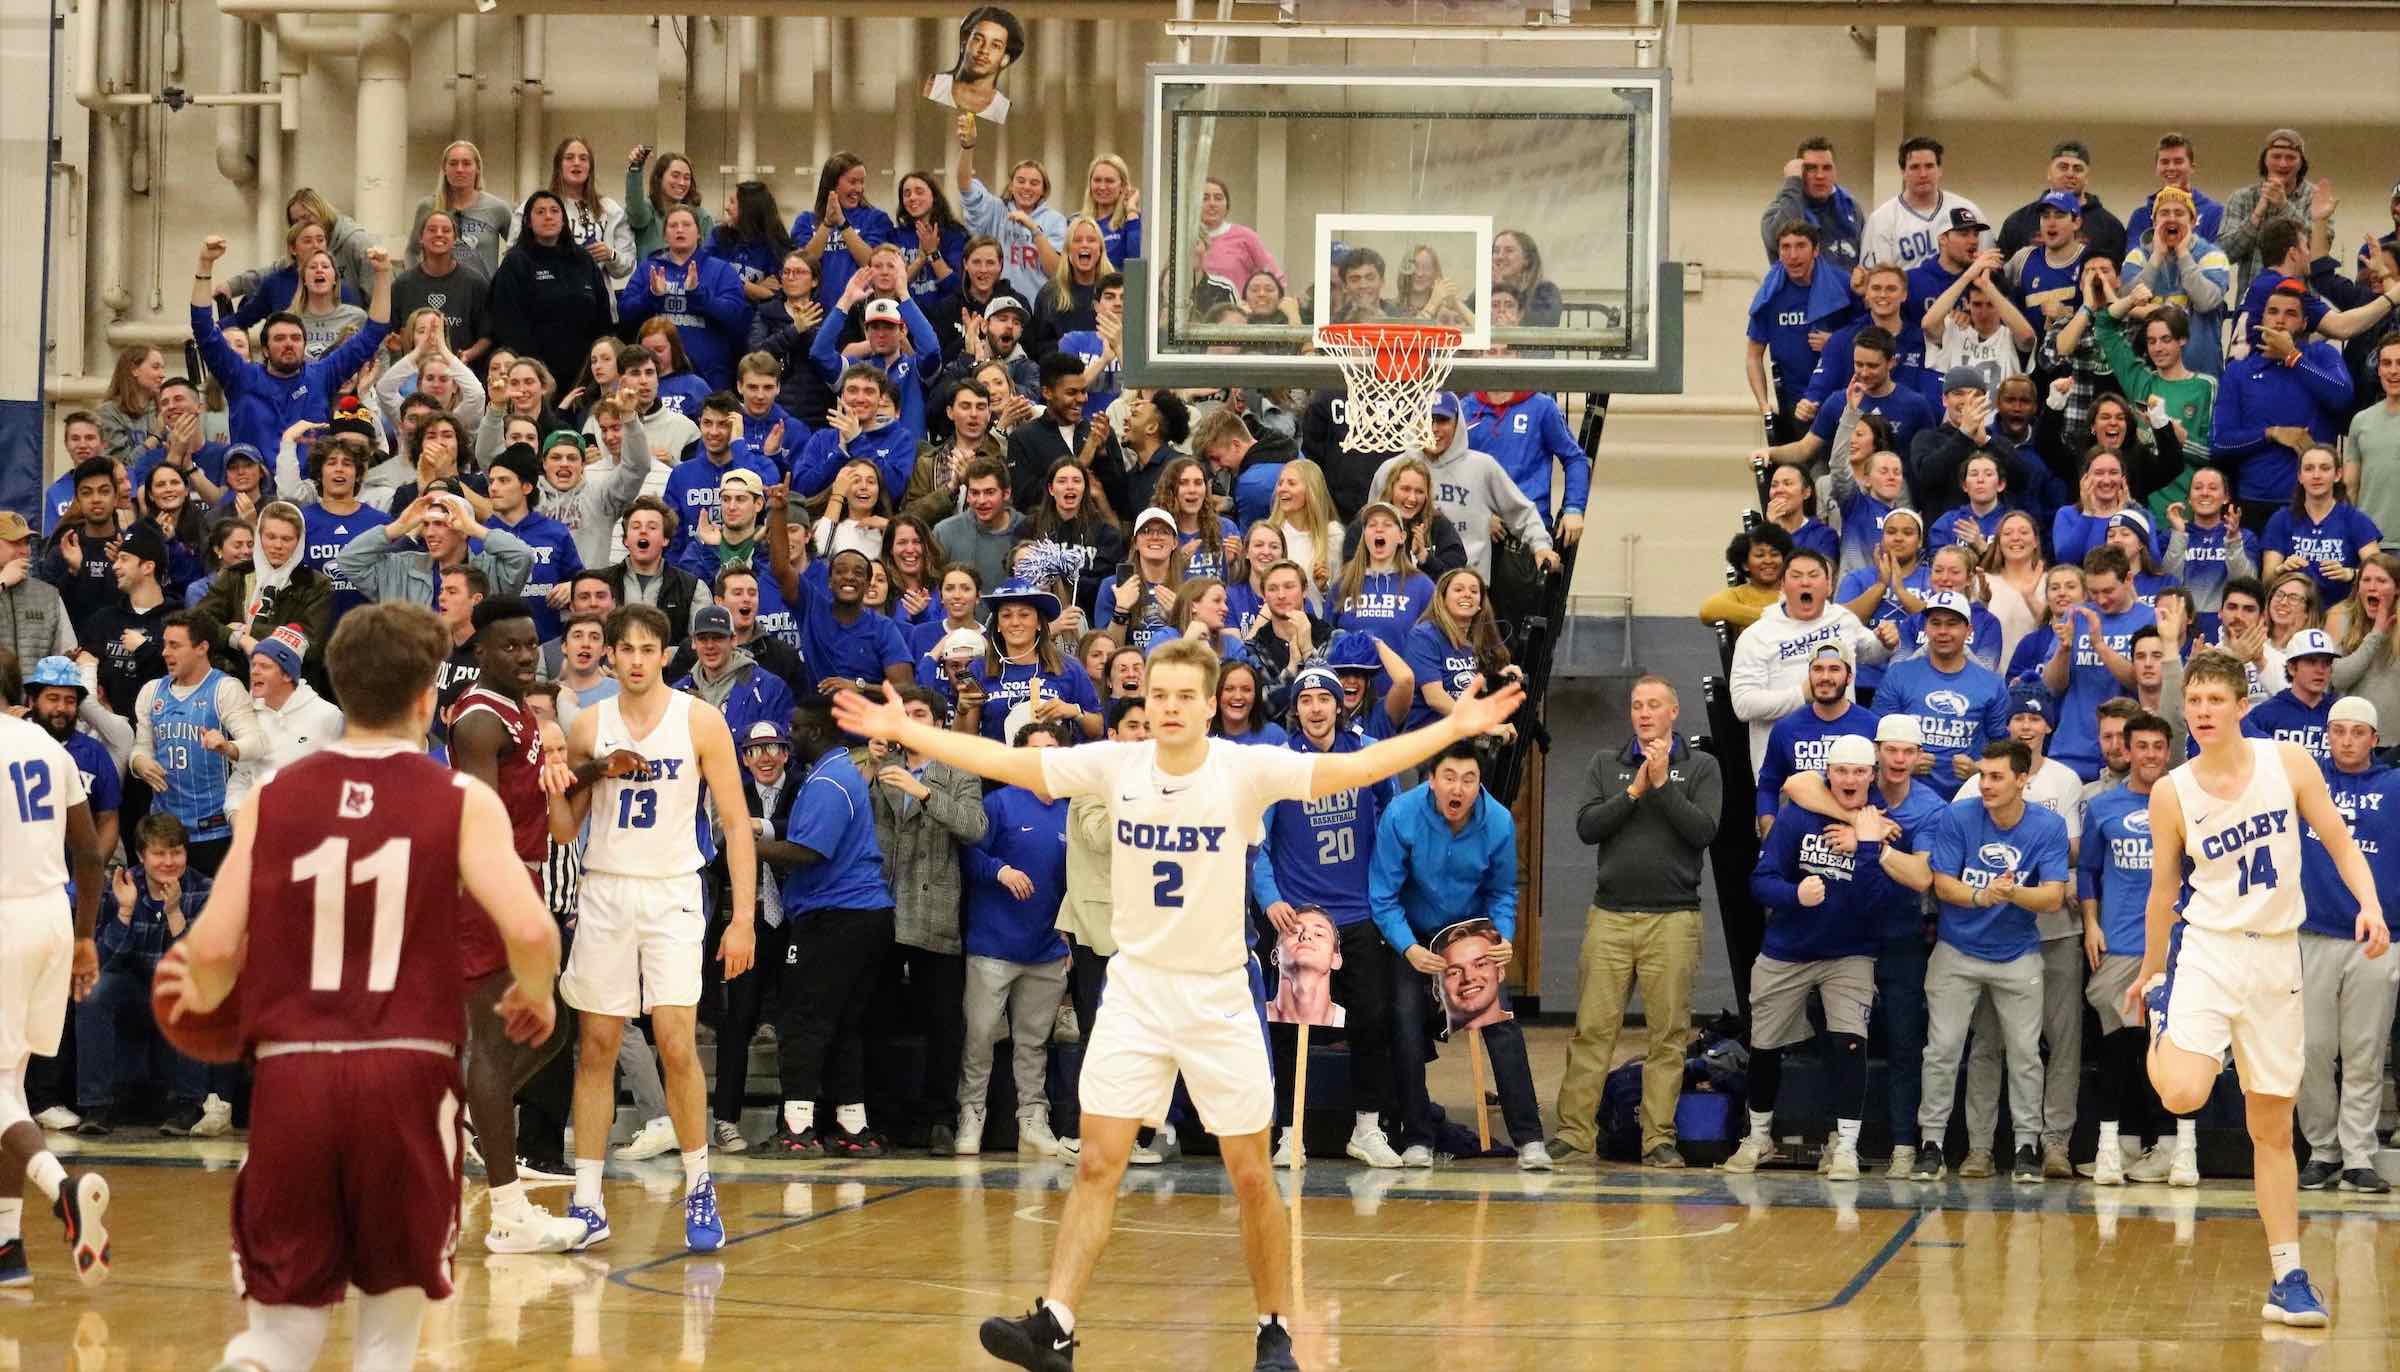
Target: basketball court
point(892, 1264)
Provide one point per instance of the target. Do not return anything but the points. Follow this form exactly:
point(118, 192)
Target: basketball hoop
point(1393, 370)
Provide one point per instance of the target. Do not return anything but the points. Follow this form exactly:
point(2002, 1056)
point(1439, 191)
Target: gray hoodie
point(1470, 488)
point(592, 509)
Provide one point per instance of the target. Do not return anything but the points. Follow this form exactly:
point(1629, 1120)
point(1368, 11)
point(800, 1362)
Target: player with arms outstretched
point(338, 911)
point(45, 957)
point(495, 738)
point(1185, 809)
point(2229, 972)
point(638, 762)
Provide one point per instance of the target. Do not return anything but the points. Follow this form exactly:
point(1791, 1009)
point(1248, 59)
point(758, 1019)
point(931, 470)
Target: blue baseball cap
point(765, 733)
point(1445, 405)
point(54, 671)
point(2031, 700)
point(2065, 202)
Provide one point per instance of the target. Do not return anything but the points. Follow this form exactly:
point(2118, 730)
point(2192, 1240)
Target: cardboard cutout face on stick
point(1305, 959)
point(1472, 990)
point(990, 40)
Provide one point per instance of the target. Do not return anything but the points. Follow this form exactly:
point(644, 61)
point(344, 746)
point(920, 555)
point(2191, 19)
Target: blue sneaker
point(703, 1232)
point(2294, 1301)
point(13, 1271)
point(595, 1227)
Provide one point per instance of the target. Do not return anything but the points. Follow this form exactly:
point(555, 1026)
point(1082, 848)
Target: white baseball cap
point(883, 312)
point(2311, 643)
point(2354, 710)
point(1899, 729)
point(1850, 750)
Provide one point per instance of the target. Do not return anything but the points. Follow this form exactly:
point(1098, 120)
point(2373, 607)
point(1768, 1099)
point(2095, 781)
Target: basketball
point(212, 1037)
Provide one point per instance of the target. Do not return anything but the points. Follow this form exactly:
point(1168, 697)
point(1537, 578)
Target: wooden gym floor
point(891, 1264)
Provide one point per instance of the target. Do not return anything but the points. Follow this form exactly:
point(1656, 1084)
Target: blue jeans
point(116, 1036)
point(1900, 1005)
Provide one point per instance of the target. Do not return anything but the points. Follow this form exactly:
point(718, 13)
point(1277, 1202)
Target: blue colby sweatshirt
point(2285, 719)
point(1848, 922)
point(692, 486)
point(2258, 393)
point(2370, 801)
point(1957, 712)
point(1969, 846)
point(1423, 877)
point(873, 225)
point(910, 369)
point(892, 447)
point(1318, 851)
point(2112, 866)
point(1798, 743)
point(712, 316)
point(1023, 832)
point(1524, 436)
point(555, 563)
point(259, 404)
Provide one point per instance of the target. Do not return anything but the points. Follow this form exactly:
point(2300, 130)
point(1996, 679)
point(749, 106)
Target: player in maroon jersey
point(495, 738)
point(347, 871)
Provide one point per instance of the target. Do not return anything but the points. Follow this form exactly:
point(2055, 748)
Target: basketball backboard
point(1531, 197)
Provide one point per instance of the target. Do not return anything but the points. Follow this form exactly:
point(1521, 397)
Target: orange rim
point(1399, 349)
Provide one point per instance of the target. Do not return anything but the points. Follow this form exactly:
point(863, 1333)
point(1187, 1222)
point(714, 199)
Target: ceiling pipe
point(301, 38)
point(380, 200)
point(746, 41)
point(267, 204)
point(237, 132)
point(465, 83)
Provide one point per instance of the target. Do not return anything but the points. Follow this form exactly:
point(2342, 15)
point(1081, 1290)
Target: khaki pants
point(1661, 952)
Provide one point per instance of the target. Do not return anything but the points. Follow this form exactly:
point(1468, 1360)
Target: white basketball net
point(1393, 371)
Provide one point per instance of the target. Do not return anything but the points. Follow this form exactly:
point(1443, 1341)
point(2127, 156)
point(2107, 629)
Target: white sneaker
point(970, 1132)
point(656, 1139)
point(728, 1138)
point(1844, 1164)
point(536, 1231)
point(1034, 1139)
point(1287, 1149)
point(2186, 1171)
point(1533, 1157)
point(1065, 1028)
point(1370, 1145)
point(474, 1158)
point(1141, 1155)
point(1904, 1161)
point(2108, 1167)
point(1747, 1157)
point(1417, 1155)
point(2152, 1166)
point(58, 1119)
point(216, 1117)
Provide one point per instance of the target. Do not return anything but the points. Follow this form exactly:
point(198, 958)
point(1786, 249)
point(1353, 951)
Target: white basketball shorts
point(637, 945)
point(37, 955)
point(1155, 1022)
point(2241, 990)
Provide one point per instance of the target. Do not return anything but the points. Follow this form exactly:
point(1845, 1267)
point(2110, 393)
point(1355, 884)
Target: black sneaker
point(179, 1121)
point(804, 1144)
point(94, 1124)
point(866, 1143)
point(1275, 1350)
point(942, 1141)
point(82, 1206)
point(2365, 1179)
point(13, 1271)
point(2320, 1174)
point(1034, 1341)
point(2029, 1163)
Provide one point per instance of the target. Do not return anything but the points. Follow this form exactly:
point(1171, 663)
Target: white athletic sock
point(45, 1173)
point(2284, 1258)
point(1848, 1132)
point(2187, 1133)
point(510, 1200)
point(1762, 1126)
point(2108, 1135)
point(1163, 1136)
point(2029, 1140)
point(695, 1168)
point(1367, 1119)
point(799, 1116)
point(1060, 1313)
point(1265, 1320)
point(587, 1183)
point(12, 1219)
point(852, 1117)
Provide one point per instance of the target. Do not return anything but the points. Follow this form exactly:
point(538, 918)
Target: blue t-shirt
point(1206, 548)
point(555, 563)
point(1025, 832)
point(692, 486)
point(1984, 636)
point(326, 535)
point(2089, 682)
point(1317, 851)
point(1905, 406)
point(832, 819)
point(1918, 814)
point(1970, 846)
point(104, 788)
point(1783, 325)
point(2285, 719)
point(1385, 606)
point(1013, 685)
point(2370, 801)
point(858, 651)
point(1926, 282)
point(1798, 743)
point(1944, 529)
point(2336, 538)
point(1087, 345)
point(1887, 610)
point(1957, 712)
point(1848, 922)
point(684, 393)
point(2112, 866)
point(1436, 661)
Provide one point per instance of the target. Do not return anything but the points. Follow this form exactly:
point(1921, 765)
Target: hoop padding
point(1393, 371)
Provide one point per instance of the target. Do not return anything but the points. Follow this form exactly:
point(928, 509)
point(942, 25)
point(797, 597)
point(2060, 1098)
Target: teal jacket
point(1424, 877)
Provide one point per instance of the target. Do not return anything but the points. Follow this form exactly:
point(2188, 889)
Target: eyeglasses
point(2290, 597)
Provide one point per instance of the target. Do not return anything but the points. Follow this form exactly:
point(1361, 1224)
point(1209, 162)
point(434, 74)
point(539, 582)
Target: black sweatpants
point(831, 968)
